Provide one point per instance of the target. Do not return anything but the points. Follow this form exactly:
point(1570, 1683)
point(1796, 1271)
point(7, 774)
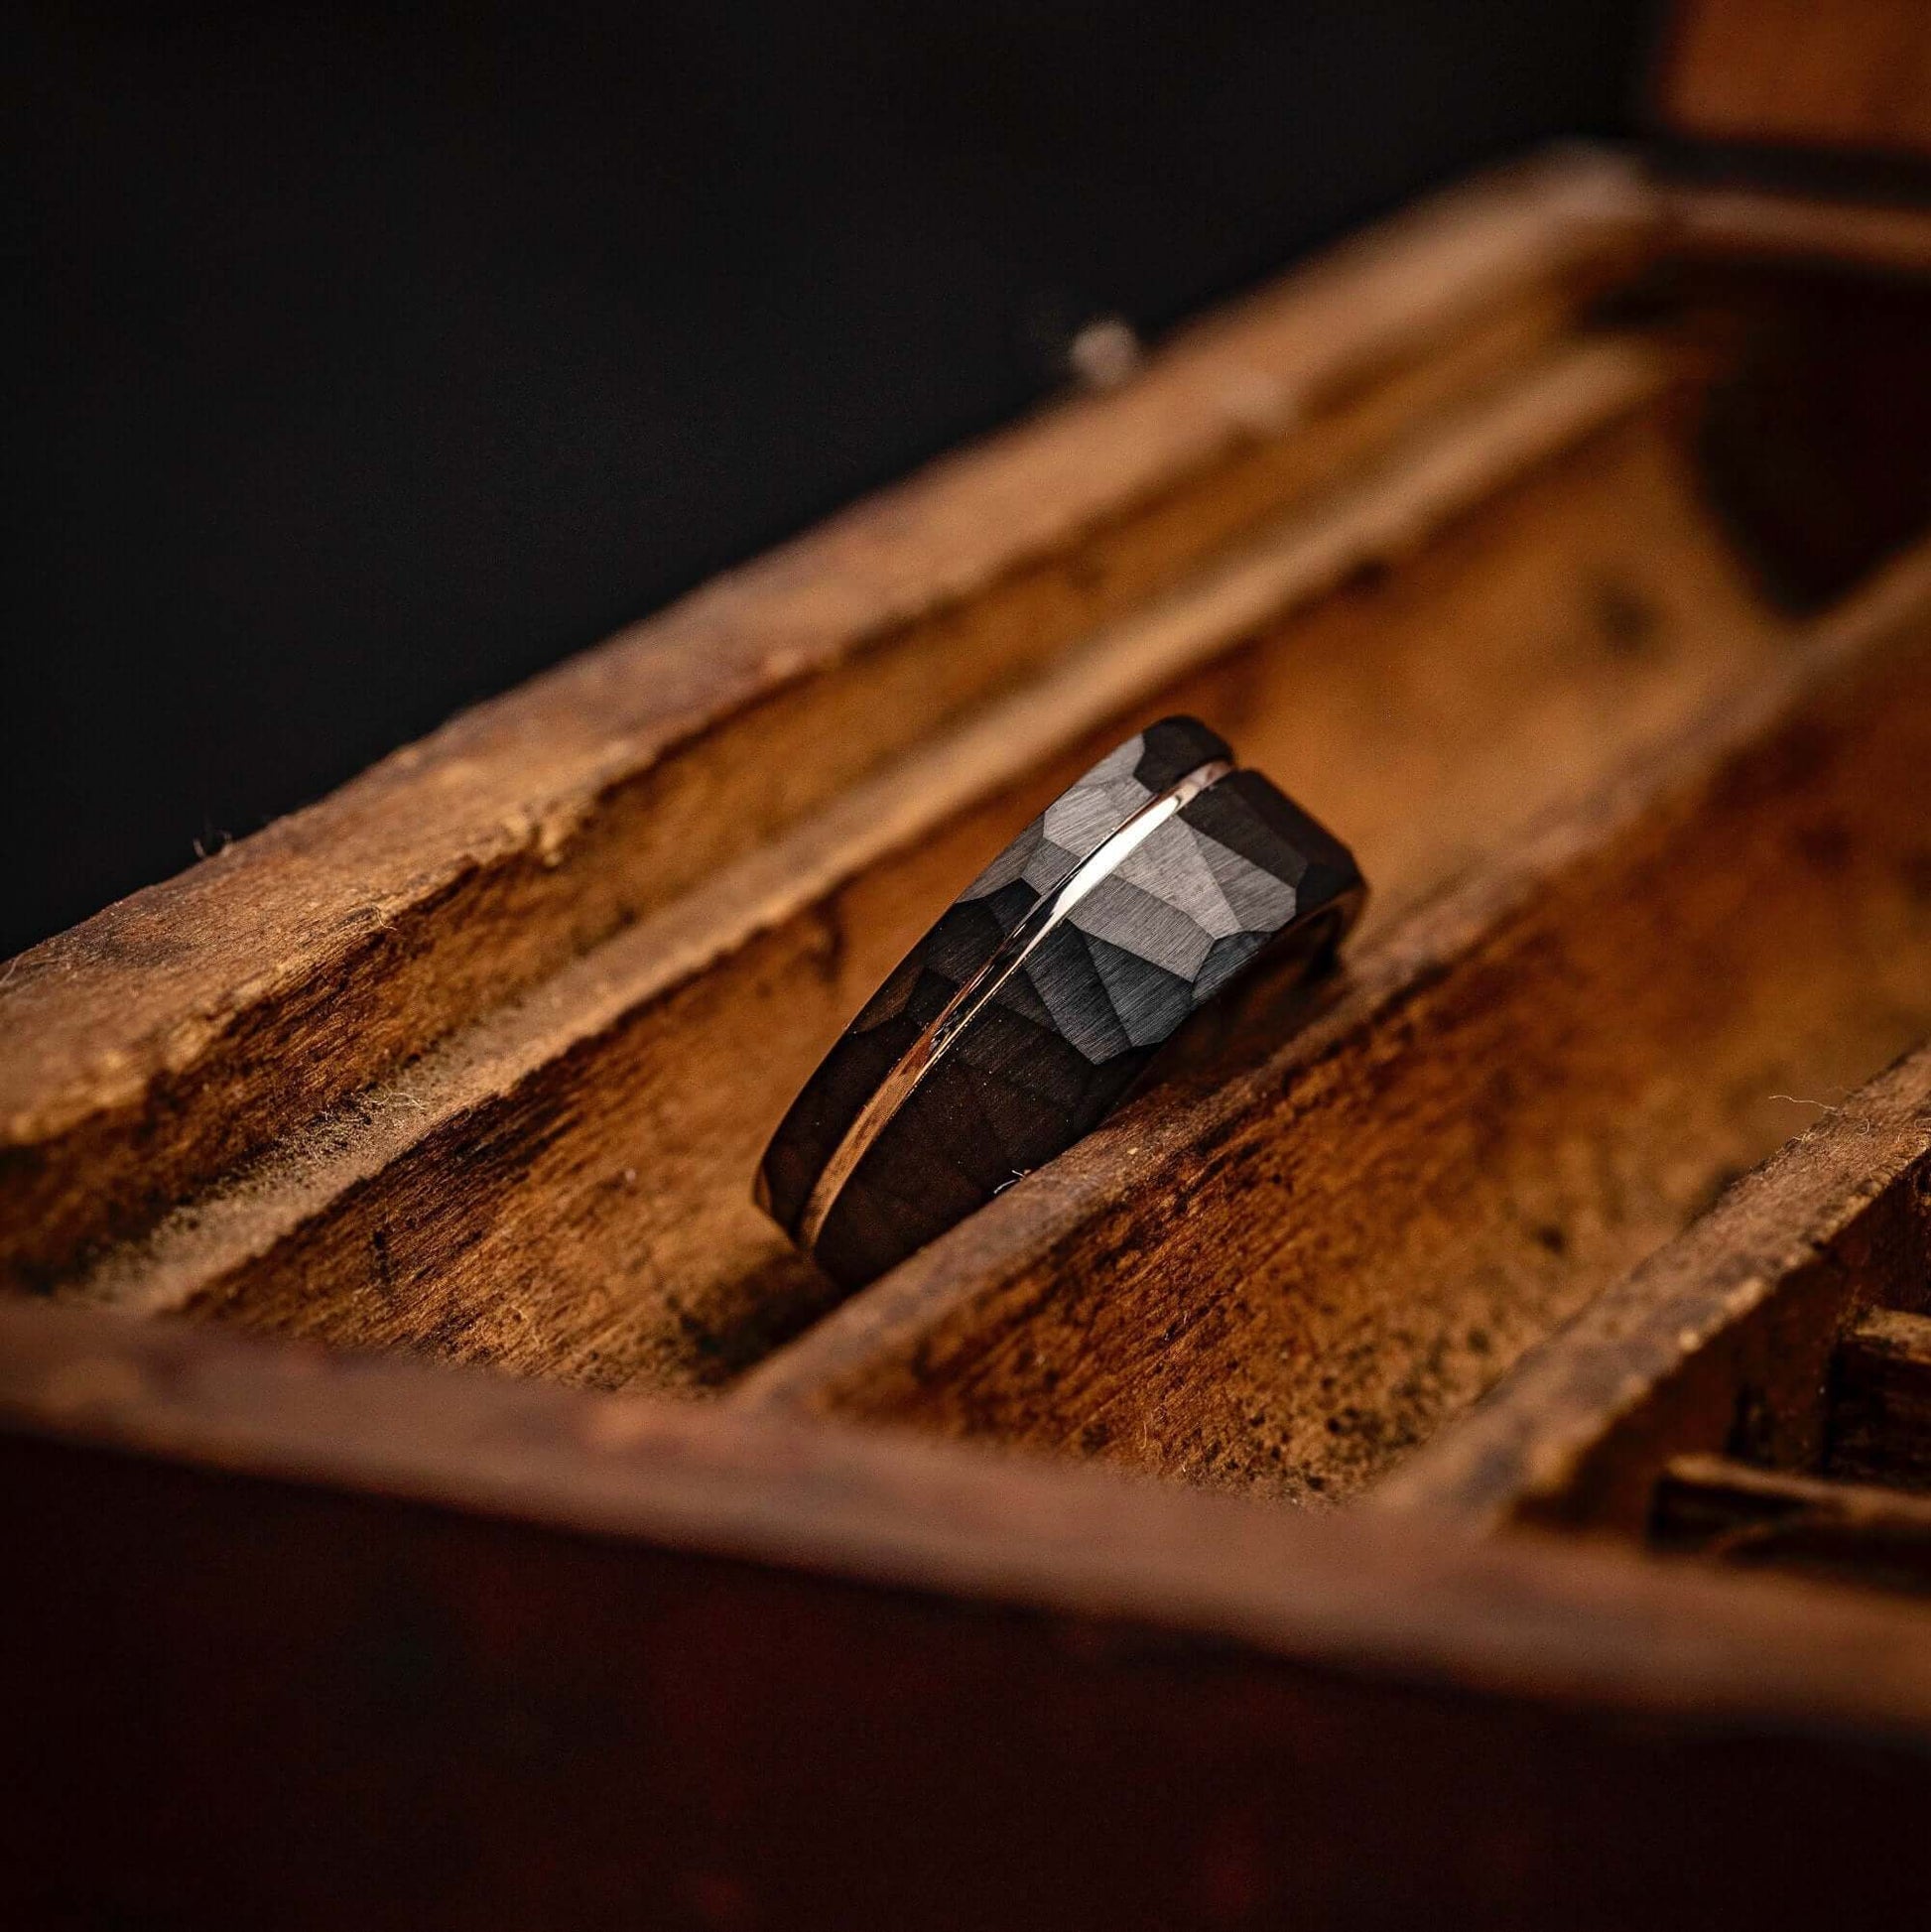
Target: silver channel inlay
point(1012, 952)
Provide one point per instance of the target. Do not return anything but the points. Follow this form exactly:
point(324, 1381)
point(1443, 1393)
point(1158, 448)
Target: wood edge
point(1523, 1448)
point(1027, 1222)
point(1529, 1618)
point(600, 721)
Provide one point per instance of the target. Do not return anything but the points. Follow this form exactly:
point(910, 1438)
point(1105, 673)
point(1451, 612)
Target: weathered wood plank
point(1723, 1338)
point(606, 1125)
point(176, 1034)
point(618, 1663)
point(1343, 1591)
point(1289, 1274)
point(1493, 614)
point(427, 1066)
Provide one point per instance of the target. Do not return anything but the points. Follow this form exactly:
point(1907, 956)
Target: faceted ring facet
point(1022, 1018)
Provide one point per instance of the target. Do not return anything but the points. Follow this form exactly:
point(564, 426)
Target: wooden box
point(484, 1518)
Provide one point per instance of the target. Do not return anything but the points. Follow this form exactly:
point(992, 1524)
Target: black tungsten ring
point(1029, 1010)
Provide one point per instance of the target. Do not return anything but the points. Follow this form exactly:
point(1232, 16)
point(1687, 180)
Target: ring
point(1022, 1018)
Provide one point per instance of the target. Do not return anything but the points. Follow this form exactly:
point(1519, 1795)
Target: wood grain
point(332, 1638)
point(1531, 1084)
point(608, 1123)
point(186, 1030)
point(1722, 1341)
point(1518, 586)
point(473, 1059)
point(966, 1522)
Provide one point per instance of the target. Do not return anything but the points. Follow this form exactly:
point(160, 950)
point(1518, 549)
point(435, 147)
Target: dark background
point(374, 358)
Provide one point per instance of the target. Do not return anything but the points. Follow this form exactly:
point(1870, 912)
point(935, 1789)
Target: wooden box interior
point(1579, 596)
point(1566, 544)
point(1555, 545)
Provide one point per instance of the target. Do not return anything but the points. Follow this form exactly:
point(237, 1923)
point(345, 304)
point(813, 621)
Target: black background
point(374, 358)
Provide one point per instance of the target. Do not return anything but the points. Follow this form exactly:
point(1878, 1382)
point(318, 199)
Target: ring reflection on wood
point(1025, 1014)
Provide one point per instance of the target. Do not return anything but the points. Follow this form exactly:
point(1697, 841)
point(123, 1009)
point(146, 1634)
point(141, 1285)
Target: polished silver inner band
point(965, 1006)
